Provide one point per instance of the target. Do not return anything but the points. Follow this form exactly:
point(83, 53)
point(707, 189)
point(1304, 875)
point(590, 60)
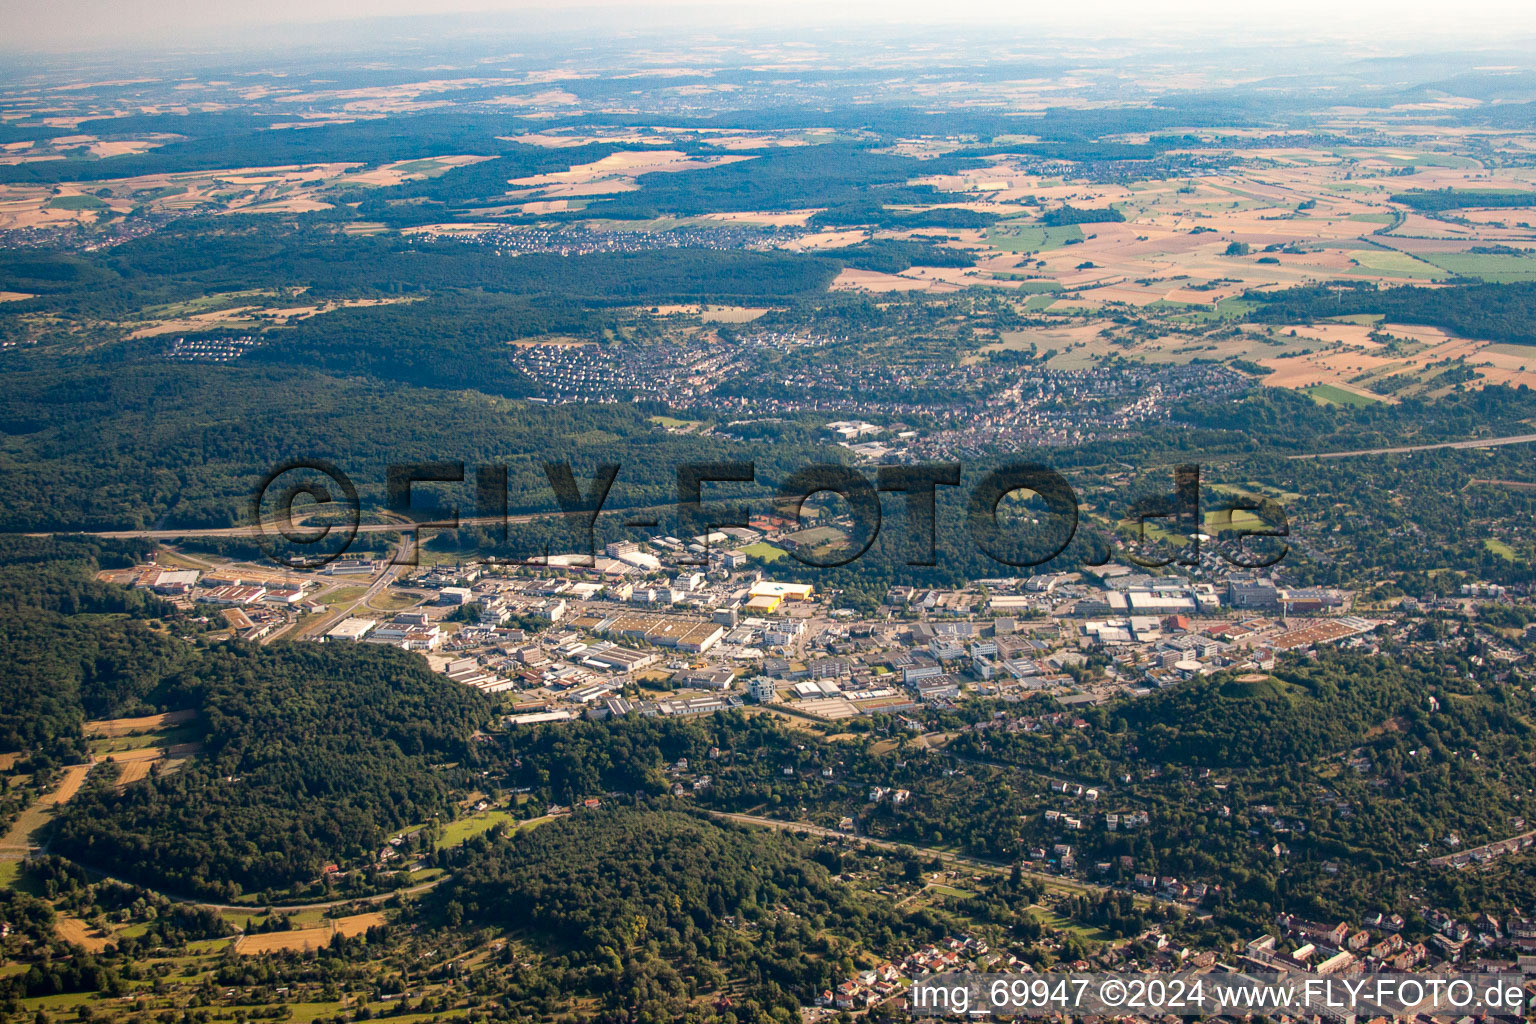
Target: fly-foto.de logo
point(308, 512)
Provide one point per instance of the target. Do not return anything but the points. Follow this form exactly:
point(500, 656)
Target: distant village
point(962, 409)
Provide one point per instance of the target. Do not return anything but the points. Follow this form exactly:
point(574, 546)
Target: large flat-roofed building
point(704, 679)
point(702, 639)
point(351, 629)
point(1309, 599)
point(174, 581)
point(1258, 593)
point(696, 705)
point(693, 636)
point(233, 594)
point(1154, 602)
point(782, 591)
point(613, 658)
point(765, 605)
point(542, 717)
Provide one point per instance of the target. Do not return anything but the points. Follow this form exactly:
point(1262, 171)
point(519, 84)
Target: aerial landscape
point(668, 515)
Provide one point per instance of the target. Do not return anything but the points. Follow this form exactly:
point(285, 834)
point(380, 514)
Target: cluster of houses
point(889, 979)
point(1379, 944)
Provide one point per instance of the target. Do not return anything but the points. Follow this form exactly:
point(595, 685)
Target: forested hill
point(648, 896)
point(312, 755)
point(60, 667)
point(308, 754)
point(1300, 713)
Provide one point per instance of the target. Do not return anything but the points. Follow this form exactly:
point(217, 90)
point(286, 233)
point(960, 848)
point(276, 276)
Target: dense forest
point(641, 908)
point(103, 447)
point(890, 256)
point(835, 174)
point(311, 755)
point(75, 648)
point(1495, 312)
point(1441, 200)
point(196, 256)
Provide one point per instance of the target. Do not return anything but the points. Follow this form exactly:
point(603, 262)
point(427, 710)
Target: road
point(396, 525)
point(318, 624)
point(390, 527)
point(1486, 442)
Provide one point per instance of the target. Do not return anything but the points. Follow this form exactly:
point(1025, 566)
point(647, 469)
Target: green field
point(1232, 306)
point(767, 552)
point(1498, 269)
point(427, 166)
point(1058, 922)
point(1032, 237)
point(165, 192)
point(1499, 548)
point(76, 203)
point(1391, 263)
point(455, 832)
point(1363, 319)
point(1269, 686)
point(1327, 394)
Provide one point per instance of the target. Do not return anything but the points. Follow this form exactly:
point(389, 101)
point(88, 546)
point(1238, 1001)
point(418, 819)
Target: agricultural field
point(307, 939)
point(1333, 394)
point(21, 837)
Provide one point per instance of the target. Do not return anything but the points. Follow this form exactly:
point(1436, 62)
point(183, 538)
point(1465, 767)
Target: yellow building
point(782, 591)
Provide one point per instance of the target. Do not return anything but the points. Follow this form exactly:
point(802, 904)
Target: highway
point(391, 527)
point(1486, 442)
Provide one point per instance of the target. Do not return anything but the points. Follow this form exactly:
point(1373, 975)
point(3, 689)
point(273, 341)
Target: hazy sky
point(90, 24)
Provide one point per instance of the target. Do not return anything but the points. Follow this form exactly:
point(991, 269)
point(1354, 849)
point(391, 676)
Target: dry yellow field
point(874, 281)
point(791, 219)
point(74, 778)
point(112, 727)
point(627, 165)
point(1353, 360)
point(77, 933)
point(19, 838)
point(302, 939)
point(1332, 212)
point(826, 240)
point(715, 314)
point(402, 170)
point(135, 764)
